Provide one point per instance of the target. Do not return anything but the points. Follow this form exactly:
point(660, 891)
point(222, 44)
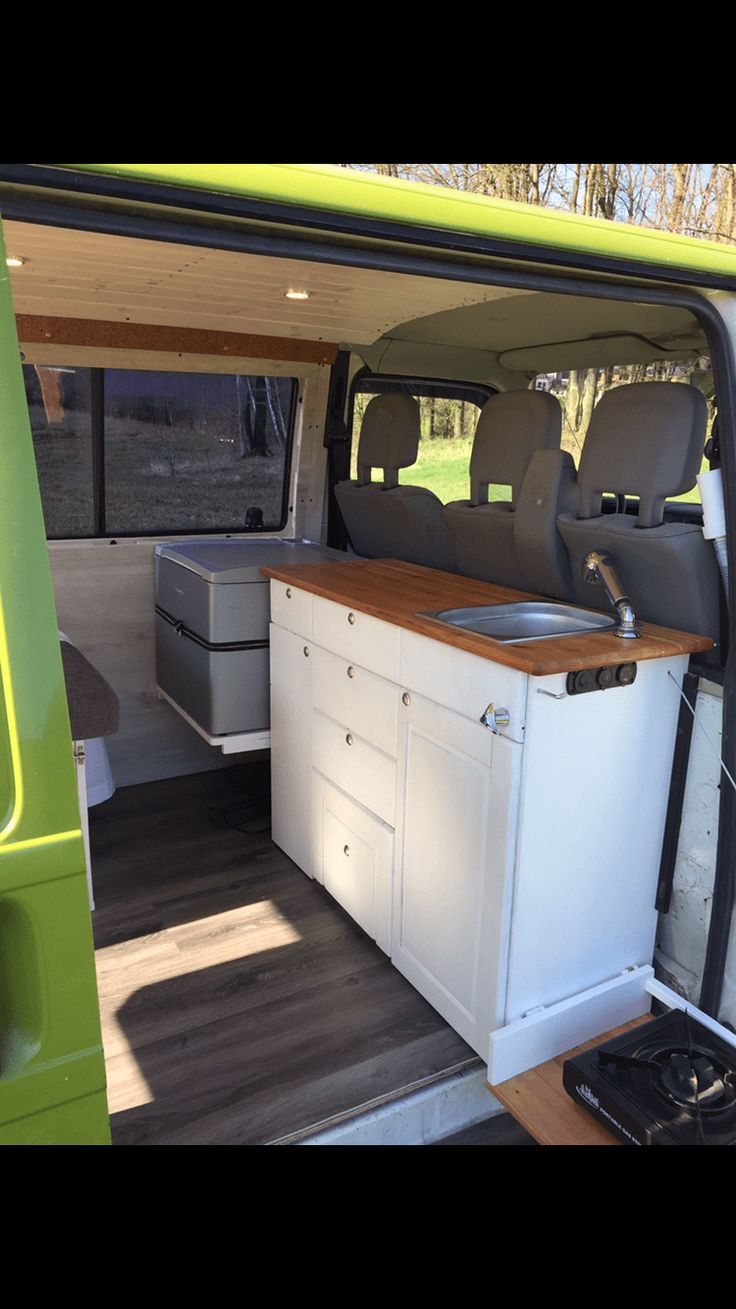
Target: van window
point(123, 452)
point(59, 407)
point(579, 391)
point(449, 414)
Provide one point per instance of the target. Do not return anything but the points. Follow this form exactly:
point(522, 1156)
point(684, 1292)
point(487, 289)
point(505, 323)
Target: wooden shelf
point(538, 1100)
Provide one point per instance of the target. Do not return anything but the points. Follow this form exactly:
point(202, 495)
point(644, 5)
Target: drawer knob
point(346, 849)
point(351, 671)
point(406, 698)
point(351, 619)
point(306, 652)
point(349, 738)
point(493, 718)
point(288, 592)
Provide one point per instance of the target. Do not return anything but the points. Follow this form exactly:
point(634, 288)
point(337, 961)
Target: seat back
point(385, 520)
point(514, 430)
point(646, 439)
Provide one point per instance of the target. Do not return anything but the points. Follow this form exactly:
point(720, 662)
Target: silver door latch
point(493, 718)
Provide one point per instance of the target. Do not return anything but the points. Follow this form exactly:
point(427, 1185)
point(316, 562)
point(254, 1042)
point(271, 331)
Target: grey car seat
point(646, 439)
point(515, 543)
point(385, 520)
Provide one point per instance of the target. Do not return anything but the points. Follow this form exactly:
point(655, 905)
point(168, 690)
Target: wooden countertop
point(397, 592)
point(538, 1100)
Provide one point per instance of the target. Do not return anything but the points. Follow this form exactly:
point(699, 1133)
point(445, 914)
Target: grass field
point(156, 480)
point(443, 466)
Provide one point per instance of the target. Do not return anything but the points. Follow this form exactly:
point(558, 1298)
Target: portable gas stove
point(667, 1082)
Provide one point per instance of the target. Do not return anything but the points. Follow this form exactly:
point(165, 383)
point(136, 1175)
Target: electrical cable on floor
point(240, 816)
point(252, 814)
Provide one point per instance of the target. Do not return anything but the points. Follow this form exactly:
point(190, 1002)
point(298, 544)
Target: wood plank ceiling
point(91, 275)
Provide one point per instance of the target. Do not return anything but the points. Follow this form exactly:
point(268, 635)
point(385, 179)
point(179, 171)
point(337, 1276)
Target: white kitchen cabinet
point(291, 745)
point(353, 859)
point(504, 873)
point(595, 782)
point(458, 795)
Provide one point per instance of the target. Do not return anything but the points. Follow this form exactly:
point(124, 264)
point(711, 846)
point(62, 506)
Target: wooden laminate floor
point(239, 1004)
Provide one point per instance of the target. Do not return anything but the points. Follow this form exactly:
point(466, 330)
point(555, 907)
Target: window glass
point(449, 415)
point(59, 409)
point(194, 451)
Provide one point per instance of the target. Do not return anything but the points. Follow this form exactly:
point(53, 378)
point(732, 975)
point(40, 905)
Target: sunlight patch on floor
point(128, 967)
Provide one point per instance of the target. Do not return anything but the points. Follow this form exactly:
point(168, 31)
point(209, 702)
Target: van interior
point(184, 393)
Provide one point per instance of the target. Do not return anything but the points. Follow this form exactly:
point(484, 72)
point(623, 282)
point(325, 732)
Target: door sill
point(420, 1113)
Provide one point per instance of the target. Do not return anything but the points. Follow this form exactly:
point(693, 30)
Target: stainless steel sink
point(525, 620)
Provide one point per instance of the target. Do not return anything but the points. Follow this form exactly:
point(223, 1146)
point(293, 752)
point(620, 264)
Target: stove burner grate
point(696, 1079)
point(687, 1075)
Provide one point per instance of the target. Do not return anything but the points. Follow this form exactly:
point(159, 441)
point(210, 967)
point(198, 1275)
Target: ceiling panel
point(124, 279)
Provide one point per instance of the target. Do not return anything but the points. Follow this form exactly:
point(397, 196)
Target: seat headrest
point(645, 439)
point(389, 436)
point(511, 428)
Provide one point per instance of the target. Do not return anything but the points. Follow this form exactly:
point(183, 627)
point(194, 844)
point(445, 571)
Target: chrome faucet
point(598, 568)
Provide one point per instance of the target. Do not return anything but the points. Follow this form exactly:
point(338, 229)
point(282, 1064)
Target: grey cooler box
point(212, 615)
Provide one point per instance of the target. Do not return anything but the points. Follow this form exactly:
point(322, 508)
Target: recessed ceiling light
point(14, 261)
point(293, 294)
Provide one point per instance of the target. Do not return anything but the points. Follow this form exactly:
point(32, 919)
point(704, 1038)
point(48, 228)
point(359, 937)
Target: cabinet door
point(291, 745)
point(353, 859)
point(457, 804)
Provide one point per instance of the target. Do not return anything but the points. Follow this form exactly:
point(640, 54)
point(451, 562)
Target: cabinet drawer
point(463, 682)
point(354, 860)
point(359, 637)
point(367, 774)
point(291, 608)
point(350, 694)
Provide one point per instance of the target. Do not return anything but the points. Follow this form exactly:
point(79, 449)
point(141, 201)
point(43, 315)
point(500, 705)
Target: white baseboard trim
point(549, 1031)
